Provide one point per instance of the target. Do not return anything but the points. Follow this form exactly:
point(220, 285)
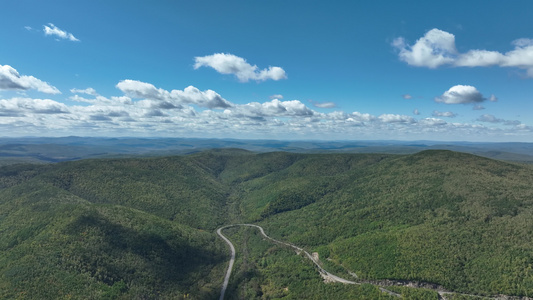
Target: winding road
point(325, 274)
point(231, 262)
point(328, 277)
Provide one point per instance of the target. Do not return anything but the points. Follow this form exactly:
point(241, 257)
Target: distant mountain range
point(46, 150)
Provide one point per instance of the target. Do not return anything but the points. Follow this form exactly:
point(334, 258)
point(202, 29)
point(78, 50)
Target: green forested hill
point(56, 245)
point(144, 228)
point(450, 218)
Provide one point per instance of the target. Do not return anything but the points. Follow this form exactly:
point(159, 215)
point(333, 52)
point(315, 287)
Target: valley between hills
point(145, 228)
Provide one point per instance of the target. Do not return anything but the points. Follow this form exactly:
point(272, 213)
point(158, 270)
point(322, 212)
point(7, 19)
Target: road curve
point(231, 261)
point(323, 272)
point(330, 277)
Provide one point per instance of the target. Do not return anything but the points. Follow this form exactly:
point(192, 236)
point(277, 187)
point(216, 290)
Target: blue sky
point(351, 70)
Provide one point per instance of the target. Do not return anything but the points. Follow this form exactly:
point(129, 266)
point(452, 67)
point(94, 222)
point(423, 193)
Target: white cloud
point(276, 96)
point(524, 127)
point(98, 99)
point(432, 122)
point(461, 94)
point(447, 114)
point(87, 91)
point(155, 112)
point(208, 98)
point(274, 108)
point(226, 63)
point(479, 58)
point(437, 48)
point(139, 89)
point(323, 104)
point(101, 100)
point(363, 117)
point(434, 49)
point(523, 42)
point(349, 118)
point(53, 30)
point(122, 100)
point(407, 96)
point(416, 112)
point(393, 118)
point(23, 106)
point(492, 119)
point(174, 99)
point(488, 118)
point(10, 79)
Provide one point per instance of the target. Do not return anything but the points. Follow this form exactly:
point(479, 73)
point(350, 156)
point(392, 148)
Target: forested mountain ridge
point(144, 227)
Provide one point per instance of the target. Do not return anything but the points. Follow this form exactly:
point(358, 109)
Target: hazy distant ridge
point(74, 148)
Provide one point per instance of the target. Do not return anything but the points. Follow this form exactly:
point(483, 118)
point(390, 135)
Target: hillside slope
point(145, 227)
point(437, 216)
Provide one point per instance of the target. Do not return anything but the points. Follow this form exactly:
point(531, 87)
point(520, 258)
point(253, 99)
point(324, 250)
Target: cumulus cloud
point(208, 98)
point(276, 96)
point(98, 99)
point(523, 42)
point(87, 91)
point(524, 127)
point(488, 118)
point(10, 79)
point(492, 119)
point(432, 122)
point(362, 117)
point(146, 110)
point(323, 104)
point(53, 30)
point(479, 58)
point(292, 108)
point(393, 118)
point(461, 94)
point(139, 89)
point(354, 118)
point(226, 63)
point(173, 99)
point(437, 48)
point(23, 106)
point(447, 114)
point(434, 49)
point(101, 100)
